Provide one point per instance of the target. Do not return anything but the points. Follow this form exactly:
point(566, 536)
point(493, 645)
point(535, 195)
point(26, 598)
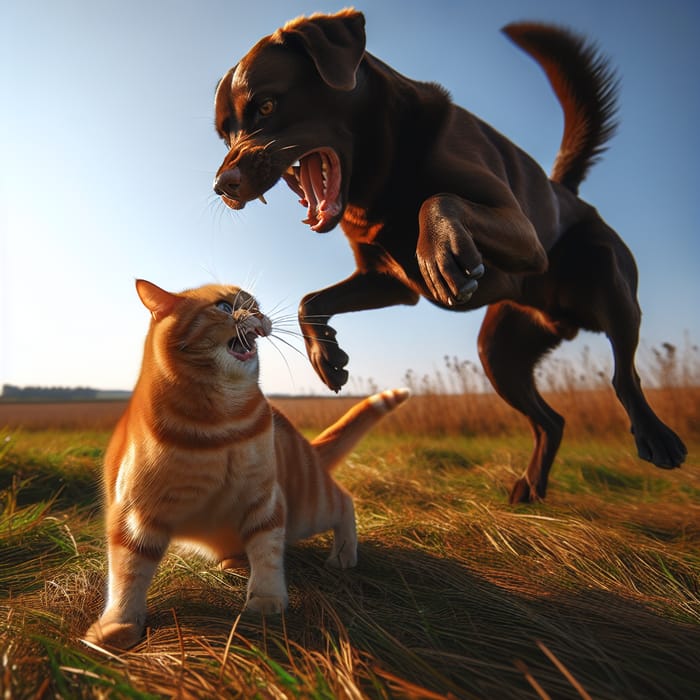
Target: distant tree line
point(47, 393)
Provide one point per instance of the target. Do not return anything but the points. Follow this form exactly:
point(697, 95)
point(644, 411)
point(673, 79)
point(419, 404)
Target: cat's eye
point(266, 107)
point(225, 306)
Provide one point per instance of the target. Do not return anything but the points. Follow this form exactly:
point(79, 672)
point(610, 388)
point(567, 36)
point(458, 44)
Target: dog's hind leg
point(613, 309)
point(511, 342)
point(610, 305)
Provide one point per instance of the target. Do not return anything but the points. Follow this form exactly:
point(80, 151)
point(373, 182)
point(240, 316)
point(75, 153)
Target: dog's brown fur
point(436, 203)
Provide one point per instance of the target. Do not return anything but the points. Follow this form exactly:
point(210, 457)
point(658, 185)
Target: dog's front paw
point(326, 356)
point(448, 280)
point(447, 256)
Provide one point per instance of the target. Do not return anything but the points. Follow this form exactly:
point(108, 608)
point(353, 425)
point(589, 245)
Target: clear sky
point(107, 155)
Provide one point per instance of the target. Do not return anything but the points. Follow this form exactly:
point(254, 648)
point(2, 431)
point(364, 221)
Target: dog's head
point(283, 113)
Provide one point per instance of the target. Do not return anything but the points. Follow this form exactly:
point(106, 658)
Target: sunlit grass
point(595, 592)
point(455, 592)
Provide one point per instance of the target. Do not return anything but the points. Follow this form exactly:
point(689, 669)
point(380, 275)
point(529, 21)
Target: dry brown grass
point(594, 412)
point(595, 593)
point(73, 415)
point(588, 412)
point(456, 400)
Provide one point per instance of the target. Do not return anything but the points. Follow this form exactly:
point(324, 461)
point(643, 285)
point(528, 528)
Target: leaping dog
point(436, 203)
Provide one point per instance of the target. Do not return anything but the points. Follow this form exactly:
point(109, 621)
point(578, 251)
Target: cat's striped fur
point(201, 457)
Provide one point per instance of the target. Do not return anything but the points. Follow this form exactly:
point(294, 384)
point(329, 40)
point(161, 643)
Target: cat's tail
point(337, 440)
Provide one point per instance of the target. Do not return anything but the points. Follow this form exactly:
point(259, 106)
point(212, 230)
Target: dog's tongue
point(311, 176)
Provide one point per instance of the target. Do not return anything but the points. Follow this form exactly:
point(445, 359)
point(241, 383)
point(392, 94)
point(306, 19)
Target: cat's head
point(214, 327)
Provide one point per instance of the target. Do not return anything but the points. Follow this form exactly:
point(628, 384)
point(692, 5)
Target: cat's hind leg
point(344, 552)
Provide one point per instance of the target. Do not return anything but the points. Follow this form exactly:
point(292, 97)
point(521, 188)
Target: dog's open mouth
point(242, 347)
point(316, 179)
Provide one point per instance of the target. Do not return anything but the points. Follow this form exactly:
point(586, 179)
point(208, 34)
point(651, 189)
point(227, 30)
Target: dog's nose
point(228, 182)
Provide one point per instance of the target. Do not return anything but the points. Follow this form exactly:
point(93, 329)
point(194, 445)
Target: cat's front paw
point(117, 636)
point(266, 605)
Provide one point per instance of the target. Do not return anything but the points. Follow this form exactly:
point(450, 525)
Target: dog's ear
point(335, 43)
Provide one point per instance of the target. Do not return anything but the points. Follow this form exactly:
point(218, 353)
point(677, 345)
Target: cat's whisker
point(236, 298)
point(292, 320)
point(278, 316)
point(281, 354)
point(242, 338)
point(304, 335)
point(288, 333)
point(278, 308)
point(295, 317)
point(312, 324)
point(288, 344)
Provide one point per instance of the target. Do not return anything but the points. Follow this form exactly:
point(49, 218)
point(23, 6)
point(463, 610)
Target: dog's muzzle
point(228, 183)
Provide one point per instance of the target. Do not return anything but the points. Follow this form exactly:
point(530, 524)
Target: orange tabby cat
point(200, 456)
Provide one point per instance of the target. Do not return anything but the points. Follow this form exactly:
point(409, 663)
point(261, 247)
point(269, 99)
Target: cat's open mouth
point(316, 178)
point(243, 347)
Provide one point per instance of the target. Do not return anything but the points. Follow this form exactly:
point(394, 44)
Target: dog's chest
point(358, 228)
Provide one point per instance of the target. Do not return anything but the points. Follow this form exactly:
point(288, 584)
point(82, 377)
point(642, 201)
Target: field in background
point(594, 593)
point(456, 400)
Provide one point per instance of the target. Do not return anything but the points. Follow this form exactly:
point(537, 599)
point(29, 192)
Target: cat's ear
point(159, 302)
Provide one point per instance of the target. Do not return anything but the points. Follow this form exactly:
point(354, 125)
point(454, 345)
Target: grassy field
point(595, 593)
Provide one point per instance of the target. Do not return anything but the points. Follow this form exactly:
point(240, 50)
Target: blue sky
point(108, 153)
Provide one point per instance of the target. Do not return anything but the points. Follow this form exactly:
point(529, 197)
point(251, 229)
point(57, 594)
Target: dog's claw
point(466, 292)
point(478, 272)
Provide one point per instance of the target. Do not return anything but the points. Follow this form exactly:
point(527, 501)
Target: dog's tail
point(586, 87)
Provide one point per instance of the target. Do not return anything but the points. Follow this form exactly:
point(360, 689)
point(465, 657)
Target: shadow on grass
point(65, 485)
point(468, 624)
point(440, 625)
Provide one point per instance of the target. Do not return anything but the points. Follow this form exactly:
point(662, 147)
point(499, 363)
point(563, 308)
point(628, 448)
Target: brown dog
point(432, 199)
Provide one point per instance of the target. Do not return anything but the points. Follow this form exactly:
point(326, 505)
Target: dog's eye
point(225, 307)
point(266, 107)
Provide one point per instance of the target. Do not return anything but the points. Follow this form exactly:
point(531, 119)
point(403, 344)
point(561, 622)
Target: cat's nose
point(228, 183)
point(266, 326)
point(262, 325)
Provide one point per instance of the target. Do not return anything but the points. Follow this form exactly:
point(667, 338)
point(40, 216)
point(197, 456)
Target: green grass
point(594, 593)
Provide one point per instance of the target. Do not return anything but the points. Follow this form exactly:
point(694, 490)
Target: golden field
point(594, 593)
